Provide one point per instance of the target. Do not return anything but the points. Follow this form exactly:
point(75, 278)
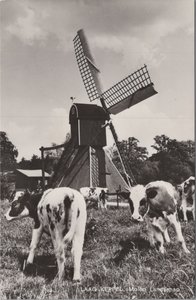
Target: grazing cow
point(97, 194)
point(62, 213)
point(160, 201)
point(187, 192)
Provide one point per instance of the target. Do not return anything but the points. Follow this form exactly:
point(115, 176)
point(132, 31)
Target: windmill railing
point(42, 149)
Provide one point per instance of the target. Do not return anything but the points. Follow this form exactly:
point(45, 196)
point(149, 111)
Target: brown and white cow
point(95, 194)
point(157, 202)
point(62, 213)
point(187, 192)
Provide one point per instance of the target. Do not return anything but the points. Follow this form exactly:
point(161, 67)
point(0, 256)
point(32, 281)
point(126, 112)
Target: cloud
point(29, 134)
point(40, 71)
point(27, 27)
point(37, 20)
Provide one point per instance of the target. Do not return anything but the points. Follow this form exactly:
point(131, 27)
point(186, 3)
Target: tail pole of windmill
point(126, 93)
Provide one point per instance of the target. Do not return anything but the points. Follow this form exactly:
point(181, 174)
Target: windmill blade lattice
point(129, 91)
point(86, 64)
point(126, 93)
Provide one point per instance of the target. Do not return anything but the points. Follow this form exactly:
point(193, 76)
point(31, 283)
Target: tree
point(133, 155)
point(9, 153)
point(175, 158)
point(24, 164)
point(149, 172)
point(161, 143)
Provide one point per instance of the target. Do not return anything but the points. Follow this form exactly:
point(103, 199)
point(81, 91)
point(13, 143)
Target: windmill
point(126, 93)
point(84, 161)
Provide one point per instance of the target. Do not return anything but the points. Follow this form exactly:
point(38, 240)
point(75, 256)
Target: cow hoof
point(28, 268)
point(76, 281)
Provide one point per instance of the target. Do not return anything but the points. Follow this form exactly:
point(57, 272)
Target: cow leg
point(77, 246)
point(166, 236)
point(193, 211)
point(60, 255)
point(99, 205)
point(150, 232)
point(184, 210)
point(173, 220)
point(36, 236)
point(193, 207)
point(77, 255)
point(59, 248)
point(151, 238)
point(159, 239)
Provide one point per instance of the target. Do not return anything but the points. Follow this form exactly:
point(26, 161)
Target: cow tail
point(69, 235)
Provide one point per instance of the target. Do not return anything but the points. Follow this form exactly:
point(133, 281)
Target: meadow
point(117, 263)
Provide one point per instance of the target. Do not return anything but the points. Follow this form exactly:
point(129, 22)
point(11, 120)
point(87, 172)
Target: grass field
point(117, 263)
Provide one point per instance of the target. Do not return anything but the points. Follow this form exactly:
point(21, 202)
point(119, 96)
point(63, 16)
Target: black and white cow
point(62, 213)
point(157, 202)
point(187, 192)
point(97, 195)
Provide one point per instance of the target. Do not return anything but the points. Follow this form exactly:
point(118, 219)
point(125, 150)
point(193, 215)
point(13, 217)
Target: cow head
point(14, 195)
point(18, 207)
point(188, 184)
point(138, 202)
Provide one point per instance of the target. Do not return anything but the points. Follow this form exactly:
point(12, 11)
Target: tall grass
point(118, 262)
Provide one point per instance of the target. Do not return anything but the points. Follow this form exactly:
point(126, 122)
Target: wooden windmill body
point(84, 161)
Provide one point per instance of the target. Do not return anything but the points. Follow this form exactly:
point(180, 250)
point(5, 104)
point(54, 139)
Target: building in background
point(30, 179)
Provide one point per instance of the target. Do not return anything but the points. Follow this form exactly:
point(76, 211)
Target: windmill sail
point(130, 91)
point(126, 93)
point(87, 67)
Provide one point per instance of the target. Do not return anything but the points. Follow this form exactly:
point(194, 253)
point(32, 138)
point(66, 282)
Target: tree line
point(172, 160)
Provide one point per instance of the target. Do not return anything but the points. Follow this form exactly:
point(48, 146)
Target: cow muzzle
point(7, 215)
point(137, 218)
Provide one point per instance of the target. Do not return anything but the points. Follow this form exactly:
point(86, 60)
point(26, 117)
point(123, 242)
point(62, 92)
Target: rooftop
point(33, 173)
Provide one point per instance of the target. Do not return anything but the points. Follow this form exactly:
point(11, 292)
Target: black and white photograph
point(97, 151)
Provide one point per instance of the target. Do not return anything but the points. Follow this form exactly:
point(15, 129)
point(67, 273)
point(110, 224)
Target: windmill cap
point(87, 112)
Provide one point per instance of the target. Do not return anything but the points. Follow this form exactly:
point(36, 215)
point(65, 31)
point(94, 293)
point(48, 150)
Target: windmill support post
point(43, 168)
point(42, 149)
point(117, 200)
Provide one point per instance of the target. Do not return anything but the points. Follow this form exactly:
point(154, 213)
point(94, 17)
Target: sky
point(39, 72)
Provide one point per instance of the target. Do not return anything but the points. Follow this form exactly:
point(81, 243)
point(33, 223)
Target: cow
point(95, 194)
point(62, 213)
point(187, 192)
point(157, 204)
